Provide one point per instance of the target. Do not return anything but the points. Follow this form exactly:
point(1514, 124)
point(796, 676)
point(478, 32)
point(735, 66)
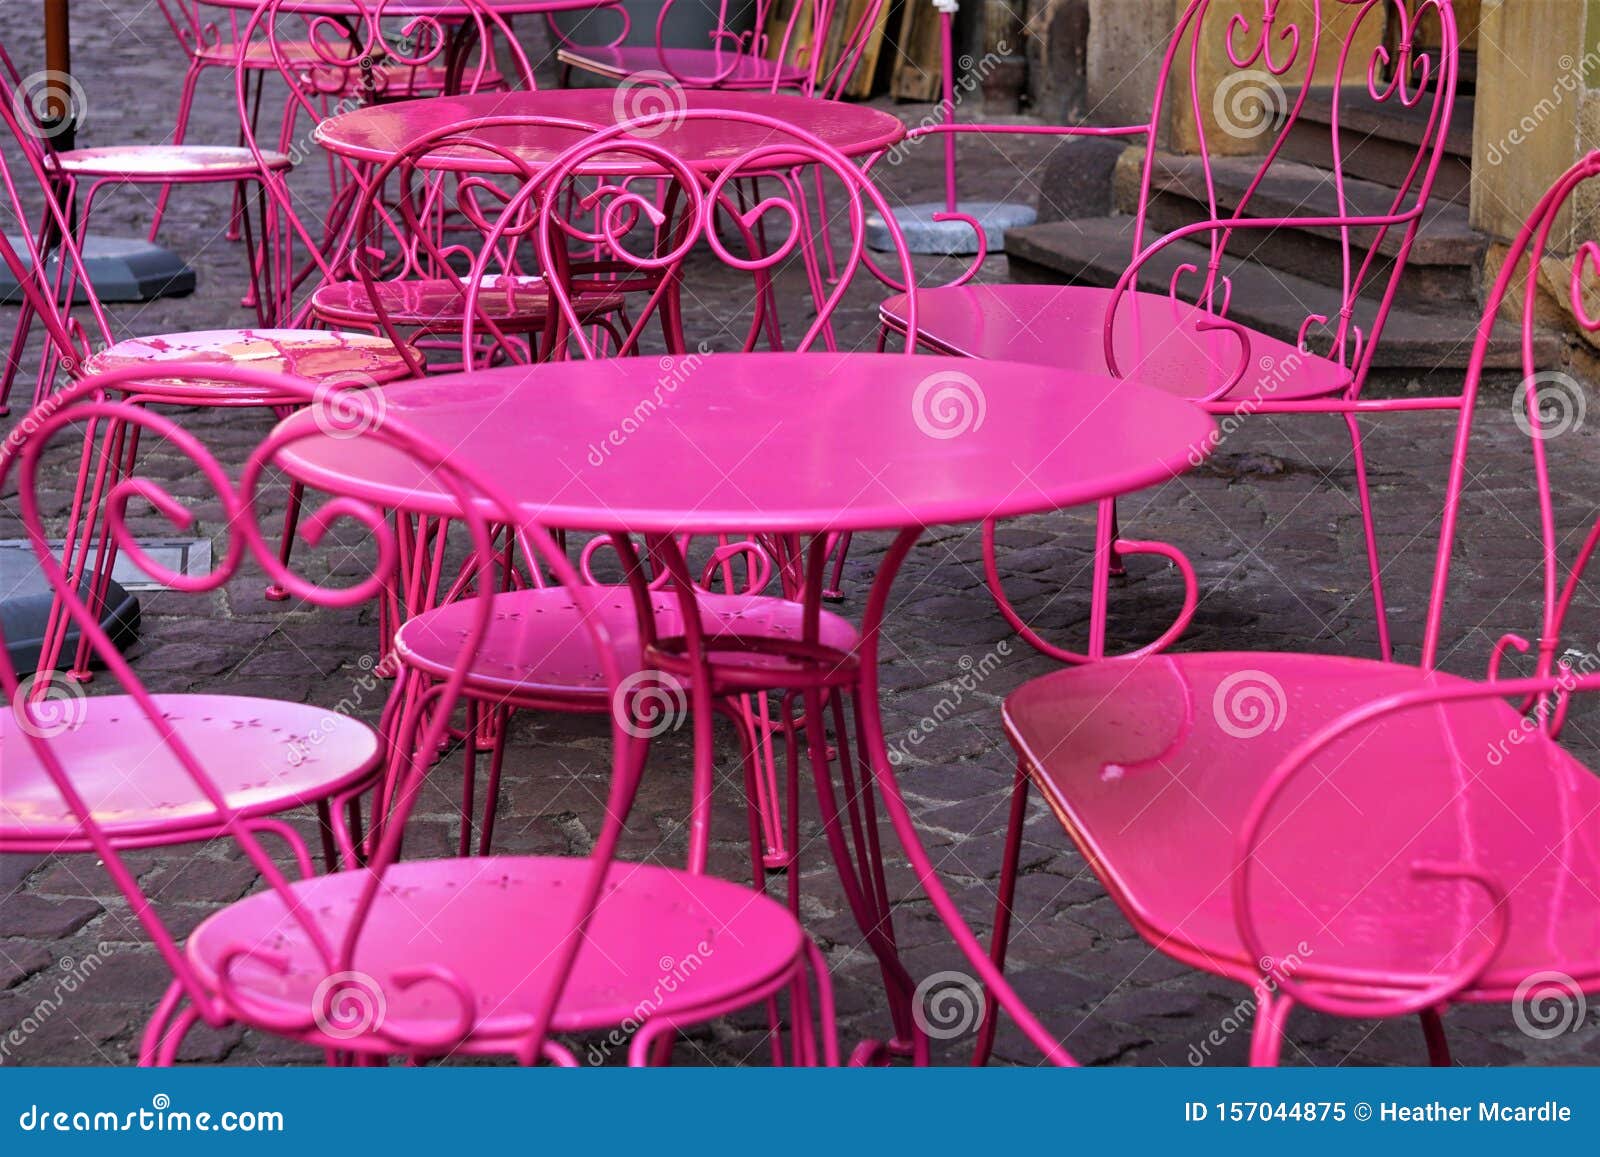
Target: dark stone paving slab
point(1270, 523)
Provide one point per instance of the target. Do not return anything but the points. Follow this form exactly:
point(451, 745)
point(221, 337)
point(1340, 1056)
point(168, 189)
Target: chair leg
point(291, 519)
point(19, 343)
point(1433, 1032)
point(1266, 1035)
point(120, 451)
point(500, 720)
point(1374, 564)
point(752, 723)
point(168, 1025)
point(191, 80)
point(841, 547)
point(1001, 937)
point(469, 776)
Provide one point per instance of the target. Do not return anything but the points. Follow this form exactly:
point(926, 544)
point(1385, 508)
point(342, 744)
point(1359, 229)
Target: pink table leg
point(824, 678)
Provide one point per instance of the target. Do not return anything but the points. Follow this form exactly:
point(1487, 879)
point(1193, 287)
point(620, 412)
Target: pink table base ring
point(729, 450)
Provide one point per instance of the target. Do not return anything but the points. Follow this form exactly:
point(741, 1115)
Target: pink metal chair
point(454, 958)
point(207, 45)
point(78, 176)
point(737, 59)
point(1363, 838)
point(382, 51)
point(49, 271)
point(1194, 349)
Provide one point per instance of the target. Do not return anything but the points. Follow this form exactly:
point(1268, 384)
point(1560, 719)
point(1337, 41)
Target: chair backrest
point(382, 50)
point(598, 232)
point(189, 23)
point(1234, 130)
point(37, 244)
point(38, 722)
point(1548, 403)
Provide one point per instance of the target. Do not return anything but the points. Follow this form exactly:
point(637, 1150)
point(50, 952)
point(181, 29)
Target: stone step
point(1431, 345)
point(1443, 265)
point(1381, 140)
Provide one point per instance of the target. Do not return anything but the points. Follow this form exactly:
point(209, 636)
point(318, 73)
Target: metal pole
point(58, 61)
point(948, 53)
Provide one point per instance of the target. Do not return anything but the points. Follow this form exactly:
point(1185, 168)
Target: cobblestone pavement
point(1270, 524)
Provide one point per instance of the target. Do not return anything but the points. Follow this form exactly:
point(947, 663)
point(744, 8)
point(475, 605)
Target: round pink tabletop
point(376, 132)
point(768, 443)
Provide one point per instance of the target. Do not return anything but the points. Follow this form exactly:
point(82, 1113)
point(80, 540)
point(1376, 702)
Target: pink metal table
point(375, 133)
point(882, 442)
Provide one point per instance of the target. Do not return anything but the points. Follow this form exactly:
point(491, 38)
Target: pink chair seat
point(666, 940)
point(537, 647)
point(258, 54)
point(1156, 339)
point(166, 161)
point(1151, 765)
point(313, 355)
point(514, 302)
point(726, 69)
point(266, 756)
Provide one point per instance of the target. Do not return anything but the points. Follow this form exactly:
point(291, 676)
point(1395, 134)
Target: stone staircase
point(1282, 275)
